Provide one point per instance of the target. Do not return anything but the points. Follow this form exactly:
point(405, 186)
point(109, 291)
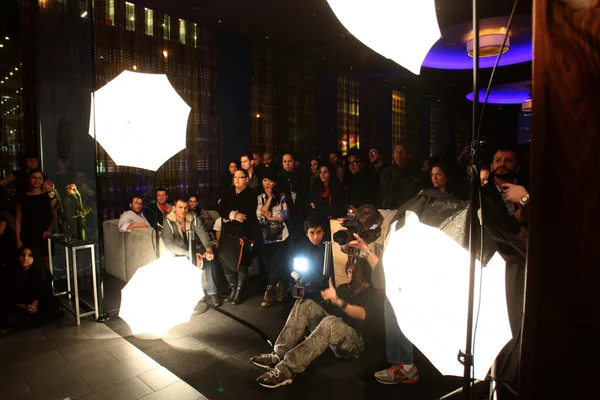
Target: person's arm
point(351, 310)
point(203, 235)
point(52, 223)
point(284, 214)
point(7, 179)
point(368, 254)
point(18, 219)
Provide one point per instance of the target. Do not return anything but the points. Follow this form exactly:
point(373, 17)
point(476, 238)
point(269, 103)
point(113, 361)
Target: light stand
point(466, 358)
point(201, 307)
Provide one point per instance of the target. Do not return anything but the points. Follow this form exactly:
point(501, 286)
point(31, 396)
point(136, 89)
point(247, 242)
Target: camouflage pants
point(326, 331)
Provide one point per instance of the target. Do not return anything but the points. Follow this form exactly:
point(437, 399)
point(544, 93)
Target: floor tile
point(97, 330)
point(92, 346)
point(14, 387)
point(158, 378)
point(119, 372)
point(123, 351)
point(39, 348)
point(130, 389)
point(46, 361)
point(179, 390)
point(58, 382)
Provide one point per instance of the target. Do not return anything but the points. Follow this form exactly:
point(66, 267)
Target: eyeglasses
point(374, 152)
point(354, 162)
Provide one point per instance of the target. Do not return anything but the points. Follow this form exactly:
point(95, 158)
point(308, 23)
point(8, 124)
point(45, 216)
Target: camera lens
point(341, 237)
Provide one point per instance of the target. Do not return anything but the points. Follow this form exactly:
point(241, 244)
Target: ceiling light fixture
point(401, 30)
point(489, 45)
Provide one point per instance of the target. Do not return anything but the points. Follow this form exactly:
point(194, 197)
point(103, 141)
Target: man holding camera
point(344, 323)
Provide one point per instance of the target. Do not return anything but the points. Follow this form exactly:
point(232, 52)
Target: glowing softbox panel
point(161, 295)
point(139, 119)
point(401, 30)
point(427, 283)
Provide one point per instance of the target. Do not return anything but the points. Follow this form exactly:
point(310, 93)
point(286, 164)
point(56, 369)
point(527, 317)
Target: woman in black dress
point(28, 300)
point(35, 217)
point(326, 198)
point(238, 208)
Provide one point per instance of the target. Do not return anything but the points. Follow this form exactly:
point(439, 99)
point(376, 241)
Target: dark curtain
point(348, 113)
point(283, 103)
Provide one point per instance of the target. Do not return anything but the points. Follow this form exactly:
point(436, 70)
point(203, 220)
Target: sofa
point(125, 252)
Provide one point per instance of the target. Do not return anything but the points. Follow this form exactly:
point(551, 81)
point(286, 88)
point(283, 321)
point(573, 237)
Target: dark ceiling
point(310, 28)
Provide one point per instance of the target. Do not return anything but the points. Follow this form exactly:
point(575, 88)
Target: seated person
point(178, 224)
point(158, 209)
point(133, 218)
point(312, 247)
point(345, 325)
point(28, 300)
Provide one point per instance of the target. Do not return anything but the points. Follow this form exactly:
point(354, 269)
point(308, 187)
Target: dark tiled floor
point(205, 358)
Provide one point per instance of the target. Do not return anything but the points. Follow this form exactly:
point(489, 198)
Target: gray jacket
point(173, 238)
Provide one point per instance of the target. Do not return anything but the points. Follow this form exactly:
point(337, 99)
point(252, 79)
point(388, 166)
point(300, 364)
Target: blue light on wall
point(508, 93)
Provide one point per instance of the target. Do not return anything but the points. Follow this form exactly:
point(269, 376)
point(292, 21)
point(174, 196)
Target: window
point(348, 113)
point(149, 18)
point(182, 31)
point(129, 16)
point(166, 27)
point(398, 116)
point(110, 12)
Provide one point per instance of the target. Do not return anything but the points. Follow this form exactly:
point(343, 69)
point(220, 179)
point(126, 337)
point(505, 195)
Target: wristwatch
point(524, 200)
point(365, 254)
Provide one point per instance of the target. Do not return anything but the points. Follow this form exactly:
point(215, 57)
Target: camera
point(342, 237)
point(308, 284)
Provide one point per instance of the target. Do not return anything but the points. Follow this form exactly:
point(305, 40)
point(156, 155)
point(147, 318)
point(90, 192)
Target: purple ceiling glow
point(508, 93)
point(450, 52)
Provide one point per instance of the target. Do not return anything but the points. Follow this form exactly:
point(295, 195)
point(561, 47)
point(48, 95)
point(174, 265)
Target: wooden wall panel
point(561, 334)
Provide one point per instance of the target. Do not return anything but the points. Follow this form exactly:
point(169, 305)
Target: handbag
point(273, 230)
point(233, 250)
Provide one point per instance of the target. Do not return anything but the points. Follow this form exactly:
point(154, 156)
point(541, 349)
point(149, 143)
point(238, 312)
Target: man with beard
point(500, 212)
point(507, 227)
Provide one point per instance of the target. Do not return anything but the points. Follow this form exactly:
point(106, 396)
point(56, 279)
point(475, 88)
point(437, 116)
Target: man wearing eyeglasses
point(376, 161)
point(363, 188)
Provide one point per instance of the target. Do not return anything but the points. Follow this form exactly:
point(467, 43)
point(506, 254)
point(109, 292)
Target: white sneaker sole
point(286, 382)
point(265, 367)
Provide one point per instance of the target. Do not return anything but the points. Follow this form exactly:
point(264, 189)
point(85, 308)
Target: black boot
point(232, 282)
point(241, 286)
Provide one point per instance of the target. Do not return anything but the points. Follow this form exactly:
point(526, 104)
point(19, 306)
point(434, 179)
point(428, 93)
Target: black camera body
point(310, 289)
point(342, 237)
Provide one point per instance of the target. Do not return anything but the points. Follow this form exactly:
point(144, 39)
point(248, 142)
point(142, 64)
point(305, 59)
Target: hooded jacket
point(174, 238)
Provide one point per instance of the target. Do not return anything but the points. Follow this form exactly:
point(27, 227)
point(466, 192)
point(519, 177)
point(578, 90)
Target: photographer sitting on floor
point(344, 324)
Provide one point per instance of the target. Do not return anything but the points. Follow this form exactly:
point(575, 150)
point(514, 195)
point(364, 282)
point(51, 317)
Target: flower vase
point(81, 228)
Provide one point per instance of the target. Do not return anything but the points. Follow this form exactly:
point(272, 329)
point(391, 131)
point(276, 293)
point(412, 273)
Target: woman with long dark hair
point(441, 179)
point(227, 186)
point(294, 185)
point(272, 212)
point(29, 300)
point(238, 208)
point(35, 217)
point(326, 198)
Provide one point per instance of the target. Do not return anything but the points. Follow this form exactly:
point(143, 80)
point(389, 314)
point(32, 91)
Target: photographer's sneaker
point(273, 379)
point(266, 361)
point(397, 374)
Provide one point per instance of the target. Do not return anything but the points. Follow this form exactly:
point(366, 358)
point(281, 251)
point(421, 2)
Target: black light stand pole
point(468, 353)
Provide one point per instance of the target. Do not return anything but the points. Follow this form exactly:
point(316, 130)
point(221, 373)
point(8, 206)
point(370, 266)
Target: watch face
point(524, 199)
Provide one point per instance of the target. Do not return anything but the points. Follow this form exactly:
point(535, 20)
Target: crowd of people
point(269, 213)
